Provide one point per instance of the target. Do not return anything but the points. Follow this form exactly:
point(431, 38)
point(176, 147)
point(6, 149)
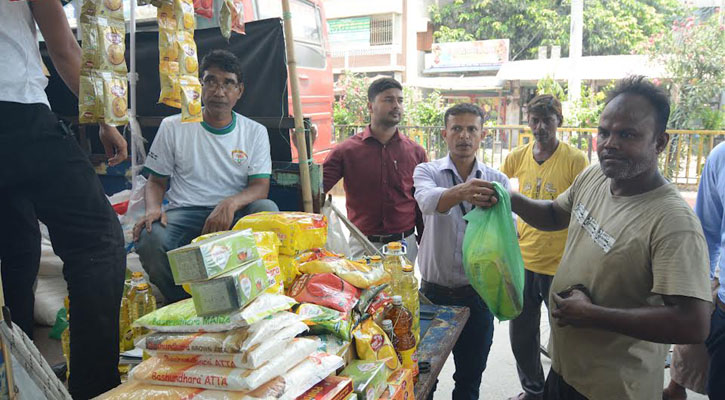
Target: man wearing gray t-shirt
point(218, 170)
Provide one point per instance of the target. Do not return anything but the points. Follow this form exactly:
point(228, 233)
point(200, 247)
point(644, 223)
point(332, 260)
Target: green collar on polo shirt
point(222, 131)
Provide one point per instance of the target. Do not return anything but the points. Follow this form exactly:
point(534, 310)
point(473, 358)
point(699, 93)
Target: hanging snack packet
point(327, 290)
point(188, 63)
point(114, 99)
point(181, 316)
point(90, 98)
point(170, 88)
point(184, 11)
point(111, 42)
point(89, 41)
point(190, 99)
point(231, 17)
point(166, 17)
point(372, 343)
point(112, 9)
point(326, 320)
point(168, 49)
point(204, 8)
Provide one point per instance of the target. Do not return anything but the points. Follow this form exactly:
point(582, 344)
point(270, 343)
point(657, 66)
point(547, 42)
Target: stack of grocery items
point(178, 60)
point(103, 87)
point(225, 343)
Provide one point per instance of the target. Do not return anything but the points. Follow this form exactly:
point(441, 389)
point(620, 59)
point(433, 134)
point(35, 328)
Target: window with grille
point(381, 30)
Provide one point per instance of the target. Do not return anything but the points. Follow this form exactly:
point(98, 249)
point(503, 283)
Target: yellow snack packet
point(115, 103)
point(289, 267)
point(111, 40)
point(184, 10)
point(166, 16)
point(188, 63)
point(102, 8)
point(90, 98)
point(298, 231)
point(268, 248)
point(372, 343)
point(190, 99)
point(170, 88)
point(168, 49)
point(89, 40)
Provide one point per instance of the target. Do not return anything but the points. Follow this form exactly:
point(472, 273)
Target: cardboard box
point(330, 388)
point(369, 378)
point(400, 386)
point(212, 257)
point(230, 291)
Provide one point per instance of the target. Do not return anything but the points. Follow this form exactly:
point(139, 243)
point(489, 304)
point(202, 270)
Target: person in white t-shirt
point(45, 175)
point(217, 171)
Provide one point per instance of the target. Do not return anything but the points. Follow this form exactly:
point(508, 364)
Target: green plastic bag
point(492, 257)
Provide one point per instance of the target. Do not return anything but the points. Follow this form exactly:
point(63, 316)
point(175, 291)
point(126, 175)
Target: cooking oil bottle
point(65, 338)
point(409, 292)
point(143, 303)
point(394, 260)
point(405, 343)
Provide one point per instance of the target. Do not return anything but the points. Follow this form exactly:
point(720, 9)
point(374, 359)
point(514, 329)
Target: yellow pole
point(297, 107)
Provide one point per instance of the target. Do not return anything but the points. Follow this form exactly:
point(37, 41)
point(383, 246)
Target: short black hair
point(545, 104)
point(642, 86)
point(224, 60)
point(464, 108)
point(381, 85)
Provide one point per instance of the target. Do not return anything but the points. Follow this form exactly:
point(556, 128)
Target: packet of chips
point(166, 17)
point(190, 99)
point(111, 42)
point(326, 320)
point(170, 88)
point(357, 274)
point(268, 249)
point(114, 99)
point(89, 40)
point(184, 12)
point(372, 343)
point(168, 49)
point(90, 97)
point(231, 17)
point(327, 290)
point(188, 63)
point(112, 9)
point(204, 8)
point(298, 231)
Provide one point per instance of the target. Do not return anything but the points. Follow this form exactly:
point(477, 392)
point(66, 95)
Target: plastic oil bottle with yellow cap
point(143, 302)
point(393, 263)
point(409, 292)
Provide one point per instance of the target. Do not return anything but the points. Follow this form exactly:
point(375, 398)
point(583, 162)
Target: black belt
point(459, 292)
point(385, 239)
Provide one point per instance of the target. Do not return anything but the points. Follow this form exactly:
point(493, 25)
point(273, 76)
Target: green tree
point(610, 26)
point(350, 107)
point(693, 52)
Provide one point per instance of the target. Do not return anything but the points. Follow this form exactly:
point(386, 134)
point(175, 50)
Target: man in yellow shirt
point(545, 168)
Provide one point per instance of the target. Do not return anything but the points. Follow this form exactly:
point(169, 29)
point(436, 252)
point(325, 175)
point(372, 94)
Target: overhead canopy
point(590, 68)
point(464, 83)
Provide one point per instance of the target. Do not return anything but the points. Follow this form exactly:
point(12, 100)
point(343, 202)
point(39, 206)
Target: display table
point(437, 342)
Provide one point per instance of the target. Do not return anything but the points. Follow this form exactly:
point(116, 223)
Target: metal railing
point(681, 162)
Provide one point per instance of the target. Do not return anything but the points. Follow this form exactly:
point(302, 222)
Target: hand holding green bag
point(492, 257)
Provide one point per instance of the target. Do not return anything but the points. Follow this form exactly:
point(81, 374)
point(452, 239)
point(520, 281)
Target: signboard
point(469, 55)
point(349, 32)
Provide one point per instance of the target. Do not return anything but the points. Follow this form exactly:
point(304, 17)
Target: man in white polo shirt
point(218, 170)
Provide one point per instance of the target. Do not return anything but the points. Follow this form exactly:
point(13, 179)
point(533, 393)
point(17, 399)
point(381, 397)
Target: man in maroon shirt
point(377, 165)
